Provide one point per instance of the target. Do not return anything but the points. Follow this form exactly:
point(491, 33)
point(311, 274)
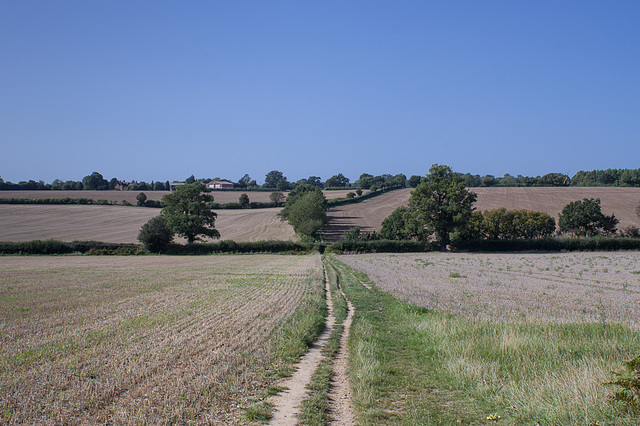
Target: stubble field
point(146, 340)
point(117, 224)
point(520, 338)
point(560, 287)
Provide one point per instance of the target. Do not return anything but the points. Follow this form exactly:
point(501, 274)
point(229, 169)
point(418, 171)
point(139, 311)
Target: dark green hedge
point(381, 246)
point(335, 202)
point(228, 246)
point(551, 244)
point(59, 247)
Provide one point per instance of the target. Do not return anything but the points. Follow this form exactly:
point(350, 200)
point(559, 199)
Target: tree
point(585, 218)
point(308, 214)
point(414, 181)
point(141, 198)
point(440, 205)
point(277, 198)
point(393, 226)
point(244, 201)
point(95, 181)
point(187, 214)
point(243, 182)
point(275, 179)
point(305, 209)
point(155, 234)
point(365, 181)
point(338, 180)
point(191, 179)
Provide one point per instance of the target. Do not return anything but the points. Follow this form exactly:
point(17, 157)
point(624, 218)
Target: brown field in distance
point(370, 214)
point(117, 224)
point(148, 340)
point(222, 197)
point(121, 224)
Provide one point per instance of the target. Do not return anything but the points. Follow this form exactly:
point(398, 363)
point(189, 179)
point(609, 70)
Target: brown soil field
point(144, 340)
point(370, 214)
point(222, 197)
point(567, 287)
point(116, 224)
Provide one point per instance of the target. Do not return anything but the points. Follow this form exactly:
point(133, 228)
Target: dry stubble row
point(149, 340)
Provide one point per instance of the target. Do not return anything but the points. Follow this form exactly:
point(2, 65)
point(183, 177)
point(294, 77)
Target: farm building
point(214, 184)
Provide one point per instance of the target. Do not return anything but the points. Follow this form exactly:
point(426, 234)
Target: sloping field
point(142, 340)
point(370, 213)
point(115, 224)
point(222, 197)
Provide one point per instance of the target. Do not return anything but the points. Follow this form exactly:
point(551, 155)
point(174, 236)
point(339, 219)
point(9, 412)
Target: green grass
point(410, 365)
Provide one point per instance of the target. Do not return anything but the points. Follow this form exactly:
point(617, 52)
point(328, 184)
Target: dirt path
point(287, 403)
point(340, 396)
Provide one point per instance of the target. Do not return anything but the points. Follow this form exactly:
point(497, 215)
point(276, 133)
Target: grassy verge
point(315, 408)
point(410, 365)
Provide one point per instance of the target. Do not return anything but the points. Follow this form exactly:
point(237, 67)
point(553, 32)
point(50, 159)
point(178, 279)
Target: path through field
point(287, 403)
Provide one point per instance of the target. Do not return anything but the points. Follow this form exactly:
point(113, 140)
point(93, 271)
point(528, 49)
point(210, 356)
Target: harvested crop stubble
point(568, 287)
point(150, 340)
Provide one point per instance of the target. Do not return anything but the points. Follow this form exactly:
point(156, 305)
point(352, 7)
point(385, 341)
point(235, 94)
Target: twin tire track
point(288, 403)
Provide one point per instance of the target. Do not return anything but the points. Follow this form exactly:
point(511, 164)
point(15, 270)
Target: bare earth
point(142, 340)
point(565, 287)
point(117, 224)
point(370, 214)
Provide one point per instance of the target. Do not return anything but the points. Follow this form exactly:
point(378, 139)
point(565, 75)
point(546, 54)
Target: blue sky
point(160, 90)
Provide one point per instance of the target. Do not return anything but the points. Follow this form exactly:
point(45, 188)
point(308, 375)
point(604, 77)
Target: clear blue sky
point(160, 90)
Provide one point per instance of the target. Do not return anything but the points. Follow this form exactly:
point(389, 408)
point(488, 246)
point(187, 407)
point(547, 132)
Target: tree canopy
point(585, 218)
point(187, 213)
point(306, 210)
point(439, 206)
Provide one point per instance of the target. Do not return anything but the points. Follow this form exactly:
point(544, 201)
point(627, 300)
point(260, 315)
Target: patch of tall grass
point(411, 365)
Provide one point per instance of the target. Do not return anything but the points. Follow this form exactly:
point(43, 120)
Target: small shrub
point(155, 235)
point(628, 379)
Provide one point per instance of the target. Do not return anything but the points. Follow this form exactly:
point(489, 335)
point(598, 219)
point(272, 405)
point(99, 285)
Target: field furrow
point(153, 340)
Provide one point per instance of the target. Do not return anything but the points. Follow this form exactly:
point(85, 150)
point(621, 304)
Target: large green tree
point(187, 214)
point(155, 234)
point(95, 181)
point(306, 210)
point(585, 218)
point(439, 206)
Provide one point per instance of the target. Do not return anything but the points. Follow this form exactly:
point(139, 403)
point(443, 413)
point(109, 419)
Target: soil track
point(370, 214)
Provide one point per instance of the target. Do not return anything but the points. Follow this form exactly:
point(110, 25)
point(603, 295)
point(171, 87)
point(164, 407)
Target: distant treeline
point(609, 177)
point(276, 181)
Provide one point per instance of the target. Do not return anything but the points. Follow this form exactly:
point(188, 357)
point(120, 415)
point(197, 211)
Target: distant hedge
point(335, 202)
point(550, 244)
point(381, 246)
point(47, 247)
point(229, 246)
point(59, 247)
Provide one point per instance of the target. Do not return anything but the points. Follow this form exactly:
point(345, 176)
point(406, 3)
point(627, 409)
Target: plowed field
point(121, 224)
point(142, 340)
point(370, 214)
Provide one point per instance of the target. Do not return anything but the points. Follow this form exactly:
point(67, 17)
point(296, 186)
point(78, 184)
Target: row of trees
point(441, 209)
point(275, 180)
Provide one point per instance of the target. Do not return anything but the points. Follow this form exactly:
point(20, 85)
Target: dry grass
point(572, 287)
point(118, 224)
point(145, 340)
